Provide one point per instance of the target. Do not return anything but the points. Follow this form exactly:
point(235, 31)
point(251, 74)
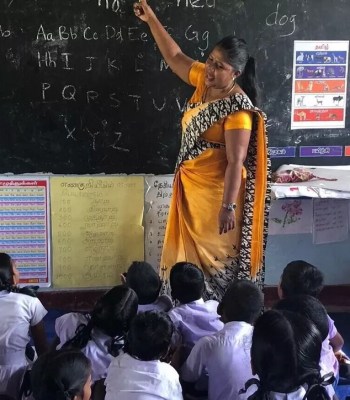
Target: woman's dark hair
point(285, 354)
point(112, 315)
point(60, 375)
point(149, 336)
point(144, 280)
point(236, 53)
point(301, 277)
point(310, 308)
point(186, 282)
point(6, 277)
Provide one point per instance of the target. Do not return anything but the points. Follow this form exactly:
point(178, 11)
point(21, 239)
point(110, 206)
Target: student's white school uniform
point(18, 312)
point(131, 379)
point(163, 303)
point(329, 362)
point(96, 350)
point(296, 395)
point(225, 356)
point(195, 320)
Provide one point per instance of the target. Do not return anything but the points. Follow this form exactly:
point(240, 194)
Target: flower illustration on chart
point(293, 211)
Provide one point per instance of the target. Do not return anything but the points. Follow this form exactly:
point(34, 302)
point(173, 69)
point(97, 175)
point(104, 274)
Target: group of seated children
point(134, 345)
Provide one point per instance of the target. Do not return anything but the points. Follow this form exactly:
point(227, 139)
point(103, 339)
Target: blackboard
point(85, 90)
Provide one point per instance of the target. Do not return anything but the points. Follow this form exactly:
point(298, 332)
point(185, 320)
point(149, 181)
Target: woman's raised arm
point(179, 62)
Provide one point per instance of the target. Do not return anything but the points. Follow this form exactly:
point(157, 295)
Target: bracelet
point(229, 206)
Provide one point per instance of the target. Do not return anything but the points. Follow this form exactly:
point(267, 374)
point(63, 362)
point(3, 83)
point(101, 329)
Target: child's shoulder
point(164, 302)
point(72, 319)
point(23, 300)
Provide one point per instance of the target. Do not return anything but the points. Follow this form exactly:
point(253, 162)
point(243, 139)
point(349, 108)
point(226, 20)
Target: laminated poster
point(24, 226)
point(320, 71)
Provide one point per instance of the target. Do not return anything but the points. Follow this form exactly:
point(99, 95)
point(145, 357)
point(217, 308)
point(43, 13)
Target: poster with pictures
point(320, 70)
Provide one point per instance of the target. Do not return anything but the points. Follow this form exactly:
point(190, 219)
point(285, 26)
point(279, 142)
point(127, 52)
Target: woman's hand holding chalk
point(142, 10)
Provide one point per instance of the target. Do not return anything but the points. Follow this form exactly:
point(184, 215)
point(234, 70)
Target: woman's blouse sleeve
point(239, 120)
point(196, 74)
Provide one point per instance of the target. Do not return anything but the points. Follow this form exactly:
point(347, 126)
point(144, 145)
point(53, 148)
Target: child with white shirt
point(100, 334)
point(285, 355)
point(225, 355)
point(21, 316)
point(300, 277)
point(193, 317)
point(312, 309)
point(144, 280)
point(139, 373)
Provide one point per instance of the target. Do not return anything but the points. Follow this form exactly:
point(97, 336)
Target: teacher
point(218, 213)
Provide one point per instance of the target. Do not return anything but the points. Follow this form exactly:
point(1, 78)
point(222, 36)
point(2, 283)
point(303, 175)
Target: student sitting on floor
point(300, 277)
point(100, 335)
point(144, 280)
point(285, 355)
point(193, 317)
point(21, 316)
point(312, 309)
point(62, 375)
point(225, 355)
point(140, 373)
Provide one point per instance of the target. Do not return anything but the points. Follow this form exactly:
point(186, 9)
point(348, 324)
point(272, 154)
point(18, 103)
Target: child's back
point(285, 354)
point(100, 335)
point(194, 317)
point(225, 355)
point(21, 315)
point(301, 278)
point(139, 374)
point(312, 309)
point(143, 279)
point(97, 349)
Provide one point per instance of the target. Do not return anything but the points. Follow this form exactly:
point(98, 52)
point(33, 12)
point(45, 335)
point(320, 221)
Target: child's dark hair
point(112, 315)
point(285, 355)
point(144, 280)
point(186, 282)
point(149, 336)
point(60, 375)
point(236, 53)
point(300, 277)
point(309, 307)
point(243, 301)
point(6, 277)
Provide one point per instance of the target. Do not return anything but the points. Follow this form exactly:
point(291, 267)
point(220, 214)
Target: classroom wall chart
point(320, 70)
point(24, 227)
point(158, 194)
point(96, 228)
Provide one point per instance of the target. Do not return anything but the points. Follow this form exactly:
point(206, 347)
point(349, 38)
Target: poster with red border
point(320, 70)
point(25, 226)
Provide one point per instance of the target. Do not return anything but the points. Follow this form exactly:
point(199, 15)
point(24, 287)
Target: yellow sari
point(192, 232)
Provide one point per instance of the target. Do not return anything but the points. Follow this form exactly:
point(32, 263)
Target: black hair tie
point(116, 345)
point(248, 384)
point(324, 380)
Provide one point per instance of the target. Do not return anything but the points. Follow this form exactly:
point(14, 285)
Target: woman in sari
point(218, 214)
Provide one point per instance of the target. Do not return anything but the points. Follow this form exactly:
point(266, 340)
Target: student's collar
point(199, 301)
